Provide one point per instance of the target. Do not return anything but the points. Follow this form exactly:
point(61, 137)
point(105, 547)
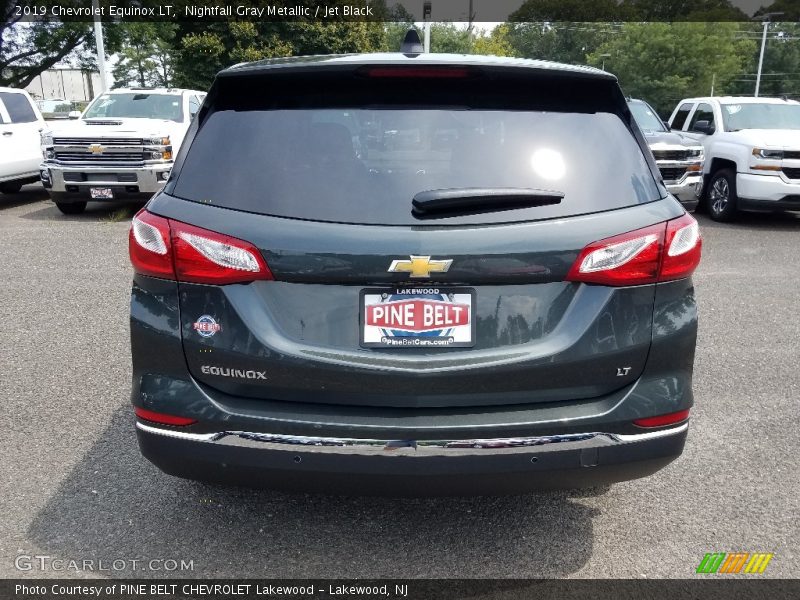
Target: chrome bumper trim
point(371, 447)
point(147, 176)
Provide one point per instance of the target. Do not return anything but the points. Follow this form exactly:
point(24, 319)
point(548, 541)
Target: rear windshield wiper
point(452, 202)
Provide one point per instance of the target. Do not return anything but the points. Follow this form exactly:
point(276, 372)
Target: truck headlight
point(159, 141)
point(46, 139)
point(768, 154)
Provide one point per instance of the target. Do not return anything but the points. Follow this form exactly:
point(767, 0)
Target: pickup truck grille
point(80, 141)
point(84, 156)
point(671, 154)
point(793, 154)
point(672, 173)
point(791, 173)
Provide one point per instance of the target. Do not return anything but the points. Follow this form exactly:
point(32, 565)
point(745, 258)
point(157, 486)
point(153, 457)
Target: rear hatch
point(419, 228)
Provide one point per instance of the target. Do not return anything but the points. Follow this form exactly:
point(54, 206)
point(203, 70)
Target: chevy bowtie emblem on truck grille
point(420, 267)
point(96, 148)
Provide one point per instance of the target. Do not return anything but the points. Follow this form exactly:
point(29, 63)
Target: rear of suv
point(401, 273)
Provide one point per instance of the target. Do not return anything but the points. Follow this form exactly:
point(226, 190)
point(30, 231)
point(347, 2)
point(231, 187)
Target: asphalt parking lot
point(74, 486)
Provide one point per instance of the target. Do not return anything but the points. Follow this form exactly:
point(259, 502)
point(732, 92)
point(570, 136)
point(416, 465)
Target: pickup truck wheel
point(71, 208)
point(721, 196)
point(11, 187)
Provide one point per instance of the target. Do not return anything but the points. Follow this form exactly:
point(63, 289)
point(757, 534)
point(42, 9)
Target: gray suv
point(413, 274)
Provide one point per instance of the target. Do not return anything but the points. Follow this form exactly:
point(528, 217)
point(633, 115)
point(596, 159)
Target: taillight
point(661, 252)
point(684, 247)
point(203, 256)
point(149, 245)
point(170, 249)
point(162, 418)
point(628, 259)
point(661, 420)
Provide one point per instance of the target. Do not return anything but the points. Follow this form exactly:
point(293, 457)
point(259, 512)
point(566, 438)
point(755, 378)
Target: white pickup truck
point(121, 148)
point(20, 125)
point(752, 152)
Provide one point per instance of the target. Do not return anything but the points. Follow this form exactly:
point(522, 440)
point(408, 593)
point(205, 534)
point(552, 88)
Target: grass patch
point(121, 214)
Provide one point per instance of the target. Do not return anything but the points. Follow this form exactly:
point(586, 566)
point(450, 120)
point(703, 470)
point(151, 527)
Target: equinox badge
point(420, 267)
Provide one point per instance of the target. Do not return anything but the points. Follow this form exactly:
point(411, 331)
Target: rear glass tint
point(364, 164)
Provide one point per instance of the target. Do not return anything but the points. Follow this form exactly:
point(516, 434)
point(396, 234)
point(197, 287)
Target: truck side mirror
point(667, 125)
point(703, 127)
point(74, 114)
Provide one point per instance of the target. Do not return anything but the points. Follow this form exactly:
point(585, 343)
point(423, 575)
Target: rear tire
point(11, 187)
point(721, 198)
point(71, 208)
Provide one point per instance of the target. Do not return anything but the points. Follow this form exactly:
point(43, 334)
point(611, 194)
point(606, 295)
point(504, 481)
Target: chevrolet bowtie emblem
point(96, 148)
point(420, 267)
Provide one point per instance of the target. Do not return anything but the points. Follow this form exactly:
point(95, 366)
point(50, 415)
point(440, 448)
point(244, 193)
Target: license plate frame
point(463, 335)
point(101, 193)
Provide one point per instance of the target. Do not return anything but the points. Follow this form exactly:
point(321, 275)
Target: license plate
point(417, 317)
point(101, 193)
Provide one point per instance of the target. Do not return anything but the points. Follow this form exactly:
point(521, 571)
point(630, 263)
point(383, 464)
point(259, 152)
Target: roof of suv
point(397, 58)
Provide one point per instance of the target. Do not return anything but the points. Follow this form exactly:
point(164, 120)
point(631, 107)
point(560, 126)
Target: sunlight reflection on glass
point(548, 164)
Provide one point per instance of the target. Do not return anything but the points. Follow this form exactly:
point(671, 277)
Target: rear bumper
point(410, 467)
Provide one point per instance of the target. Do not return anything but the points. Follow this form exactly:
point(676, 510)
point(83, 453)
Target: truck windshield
point(136, 106)
point(760, 116)
point(646, 117)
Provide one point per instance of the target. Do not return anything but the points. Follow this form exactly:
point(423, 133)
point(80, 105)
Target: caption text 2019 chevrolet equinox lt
point(401, 273)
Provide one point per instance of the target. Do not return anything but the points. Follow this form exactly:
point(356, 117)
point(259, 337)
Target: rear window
point(363, 163)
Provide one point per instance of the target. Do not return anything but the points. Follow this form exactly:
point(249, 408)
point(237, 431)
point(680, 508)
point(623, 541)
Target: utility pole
point(766, 18)
point(426, 17)
point(101, 51)
point(470, 17)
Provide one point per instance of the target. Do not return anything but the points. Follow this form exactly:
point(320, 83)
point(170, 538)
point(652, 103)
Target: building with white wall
point(66, 83)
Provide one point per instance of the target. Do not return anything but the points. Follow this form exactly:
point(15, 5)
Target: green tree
point(202, 54)
point(450, 39)
point(681, 10)
point(567, 11)
point(145, 56)
point(565, 42)
point(789, 8)
point(663, 63)
point(27, 49)
point(495, 43)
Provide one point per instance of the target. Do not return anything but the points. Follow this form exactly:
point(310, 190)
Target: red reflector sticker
point(162, 418)
point(661, 420)
point(417, 317)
